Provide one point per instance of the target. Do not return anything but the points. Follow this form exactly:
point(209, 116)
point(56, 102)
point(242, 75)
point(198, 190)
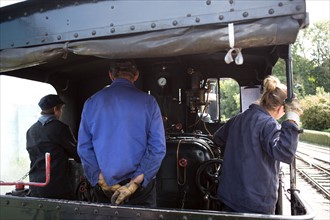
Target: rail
point(315, 174)
point(19, 185)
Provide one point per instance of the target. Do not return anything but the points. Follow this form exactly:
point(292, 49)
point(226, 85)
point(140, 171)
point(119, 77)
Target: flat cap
point(49, 101)
point(123, 65)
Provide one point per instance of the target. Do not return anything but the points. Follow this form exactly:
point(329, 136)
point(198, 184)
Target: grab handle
point(20, 184)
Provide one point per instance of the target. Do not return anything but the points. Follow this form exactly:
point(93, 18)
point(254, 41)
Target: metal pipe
point(21, 184)
point(289, 73)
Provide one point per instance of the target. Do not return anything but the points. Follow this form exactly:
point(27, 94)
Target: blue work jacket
point(255, 144)
point(121, 134)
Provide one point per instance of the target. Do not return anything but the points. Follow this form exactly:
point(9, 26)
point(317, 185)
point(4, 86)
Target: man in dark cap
point(121, 140)
point(51, 135)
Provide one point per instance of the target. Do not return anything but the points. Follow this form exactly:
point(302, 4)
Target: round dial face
point(162, 81)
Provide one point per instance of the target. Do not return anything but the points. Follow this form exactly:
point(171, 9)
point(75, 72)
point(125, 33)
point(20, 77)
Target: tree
point(316, 110)
point(311, 56)
point(301, 68)
point(230, 98)
point(311, 60)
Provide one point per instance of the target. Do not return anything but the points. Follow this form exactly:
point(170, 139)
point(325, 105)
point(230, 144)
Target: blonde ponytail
point(274, 93)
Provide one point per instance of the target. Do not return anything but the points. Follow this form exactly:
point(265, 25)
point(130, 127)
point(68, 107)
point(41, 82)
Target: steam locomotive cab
point(185, 52)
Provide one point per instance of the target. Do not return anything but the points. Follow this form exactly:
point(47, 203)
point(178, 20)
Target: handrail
point(20, 184)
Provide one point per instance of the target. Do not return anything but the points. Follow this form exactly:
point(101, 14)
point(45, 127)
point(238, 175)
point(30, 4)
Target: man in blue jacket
point(121, 140)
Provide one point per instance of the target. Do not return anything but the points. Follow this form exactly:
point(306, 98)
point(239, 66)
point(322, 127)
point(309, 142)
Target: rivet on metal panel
point(175, 23)
point(298, 8)
point(280, 4)
point(111, 25)
point(197, 20)
point(25, 13)
point(245, 14)
point(116, 213)
point(188, 15)
point(59, 37)
point(23, 204)
point(132, 28)
point(96, 211)
point(46, 34)
point(43, 40)
point(75, 35)
point(112, 7)
point(112, 30)
point(231, 1)
point(161, 217)
point(41, 10)
point(12, 44)
point(184, 217)
point(76, 209)
point(27, 42)
point(208, 2)
point(93, 32)
point(138, 214)
point(221, 17)
point(46, 17)
point(58, 207)
point(153, 25)
point(9, 17)
point(58, 6)
point(40, 206)
point(76, 3)
point(271, 11)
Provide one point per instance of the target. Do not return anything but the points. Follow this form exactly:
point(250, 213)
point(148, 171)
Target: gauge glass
point(162, 81)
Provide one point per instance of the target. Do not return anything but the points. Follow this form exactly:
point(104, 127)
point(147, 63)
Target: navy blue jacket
point(255, 145)
point(53, 136)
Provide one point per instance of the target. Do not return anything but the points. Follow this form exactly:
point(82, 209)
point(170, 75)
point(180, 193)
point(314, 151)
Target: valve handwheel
point(207, 177)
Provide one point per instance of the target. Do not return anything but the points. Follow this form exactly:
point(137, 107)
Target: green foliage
point(315, 137)
point(279, 70)
point(311, 78)
point(311, 58)
point(230, 98)
point(316, 111)
point(301, 68)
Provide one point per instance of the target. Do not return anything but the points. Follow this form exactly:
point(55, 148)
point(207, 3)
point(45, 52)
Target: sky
point(318, 9)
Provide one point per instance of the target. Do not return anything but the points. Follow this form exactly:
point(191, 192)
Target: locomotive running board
point(26, 208)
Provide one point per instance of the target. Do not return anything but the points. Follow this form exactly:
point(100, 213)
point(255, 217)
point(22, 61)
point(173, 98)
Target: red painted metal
point(19, 185)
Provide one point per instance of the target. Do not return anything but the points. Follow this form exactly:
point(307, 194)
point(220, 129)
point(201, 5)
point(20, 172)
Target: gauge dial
point(162, 81)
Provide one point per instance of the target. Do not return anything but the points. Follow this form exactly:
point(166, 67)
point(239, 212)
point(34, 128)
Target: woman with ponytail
point(255, 144)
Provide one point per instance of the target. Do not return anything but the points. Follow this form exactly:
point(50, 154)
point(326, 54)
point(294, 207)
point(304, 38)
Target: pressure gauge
point(162, 81)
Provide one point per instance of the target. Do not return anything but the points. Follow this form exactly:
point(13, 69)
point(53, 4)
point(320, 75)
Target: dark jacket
point(52, 136)
point(255, 145)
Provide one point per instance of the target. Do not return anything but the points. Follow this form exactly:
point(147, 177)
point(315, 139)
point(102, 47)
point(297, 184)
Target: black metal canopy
point(74, 39)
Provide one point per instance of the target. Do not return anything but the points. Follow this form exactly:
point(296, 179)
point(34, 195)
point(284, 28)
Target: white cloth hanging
point(233, 51)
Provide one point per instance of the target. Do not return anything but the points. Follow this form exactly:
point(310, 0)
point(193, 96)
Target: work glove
point(293, 110)
point(124, 192)
point(104, 185)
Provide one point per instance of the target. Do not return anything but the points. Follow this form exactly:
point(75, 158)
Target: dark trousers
point(142, 197)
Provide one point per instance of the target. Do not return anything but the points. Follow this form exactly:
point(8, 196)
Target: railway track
point(313, 165)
